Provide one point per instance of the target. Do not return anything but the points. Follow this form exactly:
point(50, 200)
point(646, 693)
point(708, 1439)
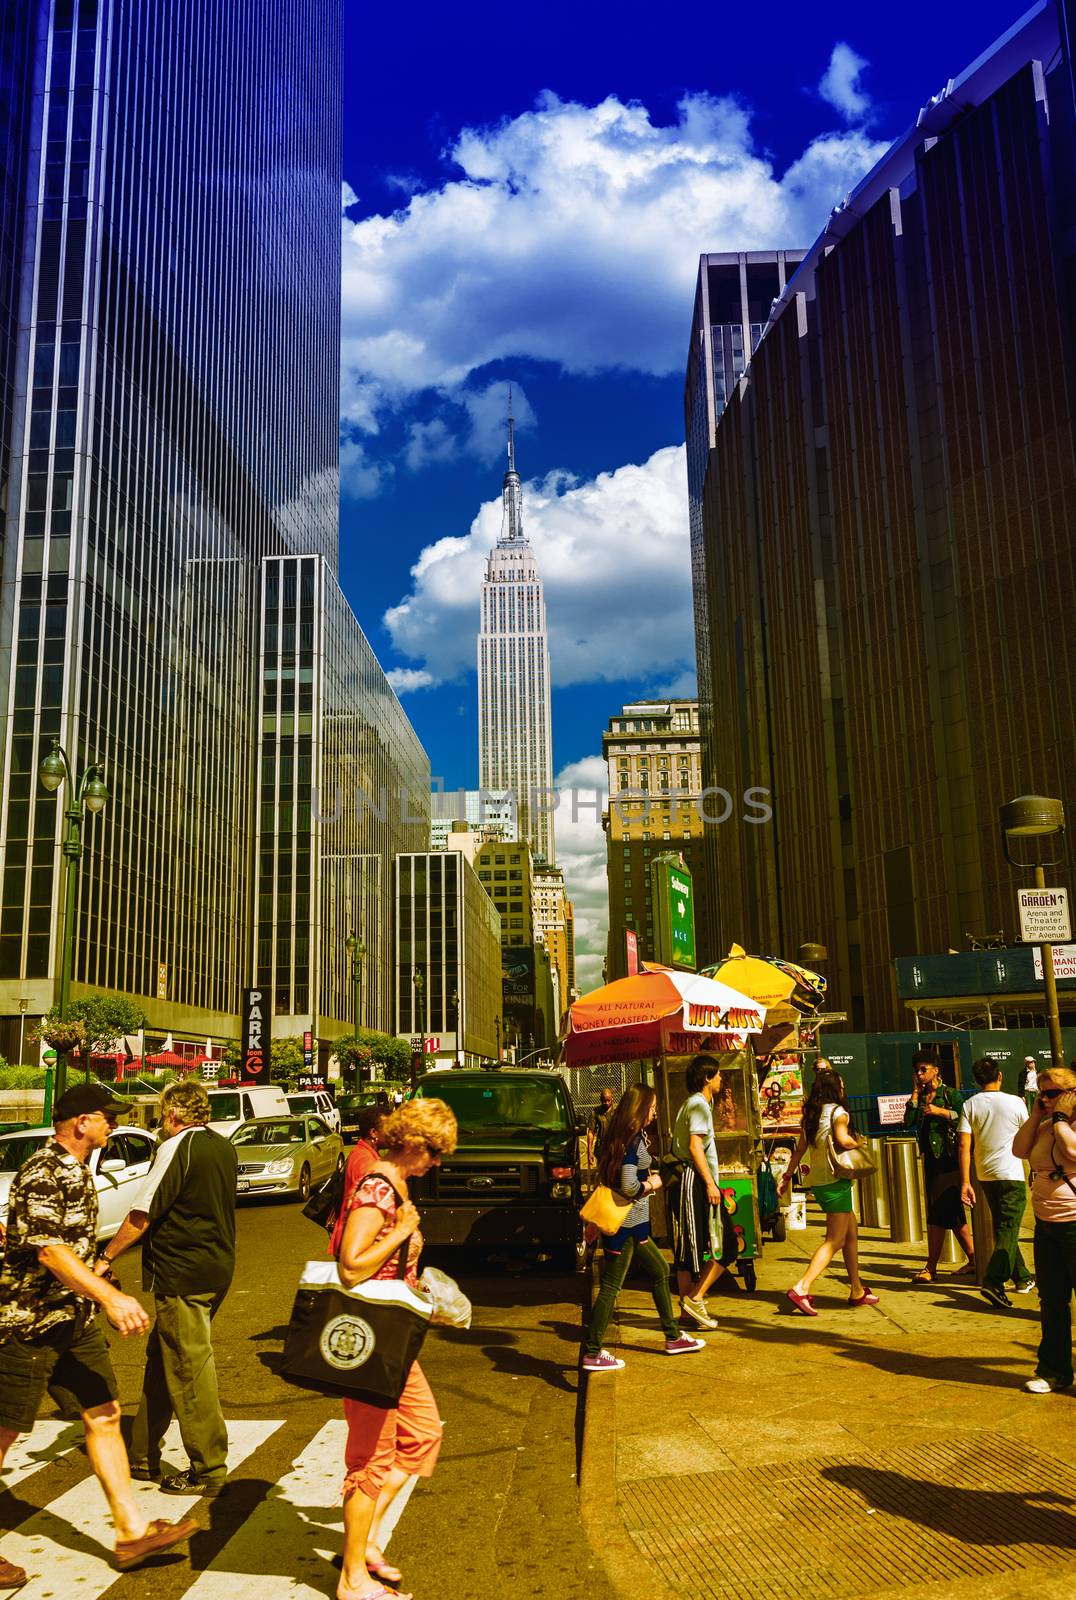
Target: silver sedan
point(286, 1155)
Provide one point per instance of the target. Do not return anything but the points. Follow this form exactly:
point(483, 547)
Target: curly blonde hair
point(420, 1122)
point(1064, 1077)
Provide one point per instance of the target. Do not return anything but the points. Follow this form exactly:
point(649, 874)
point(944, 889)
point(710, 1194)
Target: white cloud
point(581, 853)
point(361, 477)
point(571, 234)
point(406, 679)
point(841, 83)
point(428, 442)
point(613, 554)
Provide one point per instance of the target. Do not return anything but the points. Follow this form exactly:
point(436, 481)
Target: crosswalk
point(283, 1546)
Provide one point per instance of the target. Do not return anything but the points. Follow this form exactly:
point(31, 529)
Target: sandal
point(378, 1594)
point(924, 1275)
point(967, 1271)
point(867, 1298)
point(378, 1567)
point(802, 1302)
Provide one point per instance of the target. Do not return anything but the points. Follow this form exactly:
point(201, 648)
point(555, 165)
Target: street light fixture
point(1037, 818)
point(810, 955)
point(419, 981)
point(356, 952)
point(91, 795)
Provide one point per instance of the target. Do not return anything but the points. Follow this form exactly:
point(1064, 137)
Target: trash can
point(907, 1214)
point(982, 1231)
point(875, 1195)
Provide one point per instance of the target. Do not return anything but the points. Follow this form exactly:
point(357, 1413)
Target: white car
point(316, 1103)
point(117, 1169)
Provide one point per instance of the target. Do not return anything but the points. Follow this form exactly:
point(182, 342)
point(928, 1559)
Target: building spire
point(512, 495)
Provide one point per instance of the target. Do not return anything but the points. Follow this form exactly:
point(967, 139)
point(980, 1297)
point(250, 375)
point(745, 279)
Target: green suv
point(514, 1178)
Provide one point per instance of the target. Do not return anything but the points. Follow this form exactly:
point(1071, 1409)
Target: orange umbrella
point(657, 1012)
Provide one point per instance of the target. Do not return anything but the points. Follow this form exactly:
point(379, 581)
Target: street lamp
point(810, 955)
point(356, 951)
point(91, 795)
point(497, 1025)
point(419, 981)
point(1034, 816)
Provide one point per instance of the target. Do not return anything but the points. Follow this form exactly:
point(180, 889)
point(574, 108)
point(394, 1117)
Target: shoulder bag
point(855, 1163)
point(606, 1209)
point(361, 1342)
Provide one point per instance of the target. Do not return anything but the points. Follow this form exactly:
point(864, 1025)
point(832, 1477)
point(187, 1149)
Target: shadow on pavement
point(970, 1516)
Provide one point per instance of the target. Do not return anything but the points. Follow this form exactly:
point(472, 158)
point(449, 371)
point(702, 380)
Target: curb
point(599, 1507)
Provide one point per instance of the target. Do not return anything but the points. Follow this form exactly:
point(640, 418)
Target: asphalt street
point(499, 1516)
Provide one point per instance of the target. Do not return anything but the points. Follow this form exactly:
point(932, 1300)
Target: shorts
point(693, 1225)
point(945, 1208)
point(407, 1436)
point(834, 1198)
point(71, 1361)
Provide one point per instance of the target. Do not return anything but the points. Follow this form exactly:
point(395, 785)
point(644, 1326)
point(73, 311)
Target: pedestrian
point(385, 1447)
point(826, 1118)
point(1028, 1082)
point(933, 1115)
point(184, 1217)
point(365, 1154)
point(599, 1122)
point(49, 1338)
point(625, 1165)
point(699, 1239)
point(1047, 1141)
point(993, 1118)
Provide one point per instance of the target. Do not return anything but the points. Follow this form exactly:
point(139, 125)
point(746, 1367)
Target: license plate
point(242, 1185)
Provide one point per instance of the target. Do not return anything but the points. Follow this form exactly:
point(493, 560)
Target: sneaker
point(684, 1346)
point(602, 1362)
point(698, 1311)
point(996, 1295)
point(1025, 1287)
point(1044, 1385)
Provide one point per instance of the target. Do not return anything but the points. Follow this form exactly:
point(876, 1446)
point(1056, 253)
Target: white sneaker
point(1044, 1386)
point(698, 1311)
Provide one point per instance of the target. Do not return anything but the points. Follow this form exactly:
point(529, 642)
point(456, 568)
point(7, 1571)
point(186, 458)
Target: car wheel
point(304, 1183)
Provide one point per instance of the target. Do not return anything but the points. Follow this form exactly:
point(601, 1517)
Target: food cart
point(662, 1018)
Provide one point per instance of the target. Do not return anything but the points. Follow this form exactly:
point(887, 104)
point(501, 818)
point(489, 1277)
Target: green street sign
point(674, 904)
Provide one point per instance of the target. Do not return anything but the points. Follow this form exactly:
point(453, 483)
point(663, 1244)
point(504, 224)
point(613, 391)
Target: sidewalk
point(885, 1451)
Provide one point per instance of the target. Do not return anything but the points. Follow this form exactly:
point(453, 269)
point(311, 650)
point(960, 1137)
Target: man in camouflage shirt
point(49, 1338)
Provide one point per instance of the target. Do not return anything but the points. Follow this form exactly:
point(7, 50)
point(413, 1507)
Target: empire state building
point(514, 742)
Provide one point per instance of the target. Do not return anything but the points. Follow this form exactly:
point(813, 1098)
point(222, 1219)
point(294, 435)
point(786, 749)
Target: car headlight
point(281, 1167)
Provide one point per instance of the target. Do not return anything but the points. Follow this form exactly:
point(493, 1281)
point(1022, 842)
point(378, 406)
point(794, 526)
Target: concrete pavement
point(886, 1451)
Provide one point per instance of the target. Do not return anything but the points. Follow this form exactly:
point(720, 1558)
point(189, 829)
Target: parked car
point(286, 1155)
point(117, 1169)
point(514, 1178)
point(246, 1102)
point(316, 1103)
point(350, 1106)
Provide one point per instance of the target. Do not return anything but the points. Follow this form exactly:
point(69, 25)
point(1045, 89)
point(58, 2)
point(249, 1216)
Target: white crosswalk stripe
point(282, 1551)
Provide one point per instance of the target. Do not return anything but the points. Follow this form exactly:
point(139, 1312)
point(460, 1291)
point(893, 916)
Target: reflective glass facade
point(174, 424)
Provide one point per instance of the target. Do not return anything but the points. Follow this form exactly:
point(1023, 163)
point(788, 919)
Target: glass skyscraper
point(169, 396)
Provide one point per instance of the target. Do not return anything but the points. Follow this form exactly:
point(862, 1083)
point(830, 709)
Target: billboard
point(631, 949)
point(254, 1040)
point(517, 976)
point(674, 907)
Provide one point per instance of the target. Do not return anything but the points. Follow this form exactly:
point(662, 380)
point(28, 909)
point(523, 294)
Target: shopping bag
point(451, 1307)
point(324, 1204)
point(606, 1209)
point(360, 1343)
point(855, 1163)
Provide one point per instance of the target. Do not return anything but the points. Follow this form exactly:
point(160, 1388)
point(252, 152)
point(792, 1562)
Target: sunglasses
point(1051, 1094)
point(434, 1151)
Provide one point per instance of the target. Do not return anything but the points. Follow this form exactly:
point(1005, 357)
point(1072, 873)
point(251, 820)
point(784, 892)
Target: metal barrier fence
point(585, 1084)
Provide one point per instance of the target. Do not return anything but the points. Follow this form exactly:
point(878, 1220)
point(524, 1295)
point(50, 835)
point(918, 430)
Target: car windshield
point(302, 1102)
point(490, 1107)
point(224, 1107)
point(13, 1152)
point(270, 1132)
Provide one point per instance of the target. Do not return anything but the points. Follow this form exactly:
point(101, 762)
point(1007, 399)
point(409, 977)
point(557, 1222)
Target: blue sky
point(529, 190)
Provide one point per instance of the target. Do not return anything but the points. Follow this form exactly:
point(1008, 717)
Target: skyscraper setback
point(514, 740)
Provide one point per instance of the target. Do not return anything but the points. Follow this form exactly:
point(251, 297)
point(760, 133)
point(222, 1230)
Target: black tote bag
point(360, 1343)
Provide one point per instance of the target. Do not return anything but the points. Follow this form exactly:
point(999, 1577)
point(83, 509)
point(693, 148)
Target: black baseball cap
point(82, 1099)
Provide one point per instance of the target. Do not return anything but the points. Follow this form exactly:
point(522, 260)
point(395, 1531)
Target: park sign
point(674, 906)
point(255, 1038)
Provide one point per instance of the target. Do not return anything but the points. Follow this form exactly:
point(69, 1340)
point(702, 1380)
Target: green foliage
point(357, 1051)
point(103, 1017)
point(285, 1059)
point(21, 1077)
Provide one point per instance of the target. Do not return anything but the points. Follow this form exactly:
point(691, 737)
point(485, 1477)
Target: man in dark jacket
point(185, 1218)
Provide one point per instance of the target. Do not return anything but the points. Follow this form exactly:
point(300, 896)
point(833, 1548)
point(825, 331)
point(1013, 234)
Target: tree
point(365, 1047)
point(91, 1026)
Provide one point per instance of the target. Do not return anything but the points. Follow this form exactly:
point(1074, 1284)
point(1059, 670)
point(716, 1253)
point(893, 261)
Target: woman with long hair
point(624, 1164)
point(825, 1117)
point(1047, 1141)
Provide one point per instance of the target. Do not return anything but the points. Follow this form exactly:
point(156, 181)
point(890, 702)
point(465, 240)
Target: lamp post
point(91, 795)
point(419, 981)
point(454, 1002)
point(812, 955)
point(1033, 816)
point(497, 1025)
point(356, 951)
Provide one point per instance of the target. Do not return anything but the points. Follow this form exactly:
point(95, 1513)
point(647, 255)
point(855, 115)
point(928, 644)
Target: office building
point(515, 749)
point(506, 872)
point(885, 538)
point(473, 815)
point(169, 398)
point(448, 959)
point(652, 753)
point(552, 915)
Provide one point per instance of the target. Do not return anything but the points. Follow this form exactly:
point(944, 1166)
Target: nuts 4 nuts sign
point(1044, 916)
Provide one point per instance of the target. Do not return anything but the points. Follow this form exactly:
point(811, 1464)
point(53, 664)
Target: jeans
point(614, 1272)
point(1006, 1198)
point(181, 1378)
point(1055, 1269)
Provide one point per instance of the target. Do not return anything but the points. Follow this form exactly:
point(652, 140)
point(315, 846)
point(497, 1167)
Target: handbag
point(854, 1163)
point(324, 1204)
point(360, 1343)
point(606, 1209)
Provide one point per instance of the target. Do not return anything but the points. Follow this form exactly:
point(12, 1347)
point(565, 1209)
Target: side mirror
point(113, 1164)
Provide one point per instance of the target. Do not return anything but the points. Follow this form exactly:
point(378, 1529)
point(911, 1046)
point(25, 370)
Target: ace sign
point(255, 1038)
